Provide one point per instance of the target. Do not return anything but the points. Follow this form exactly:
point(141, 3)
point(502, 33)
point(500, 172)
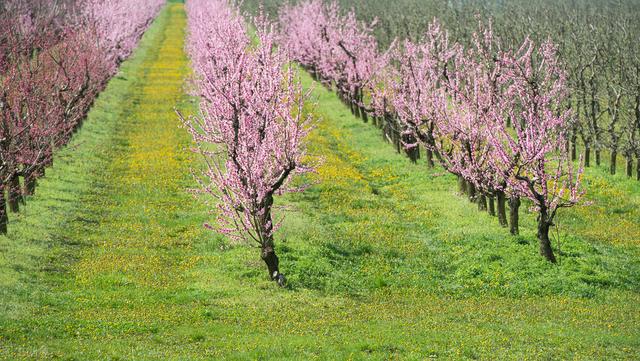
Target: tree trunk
point(269, 257)
point(638, 169)
point(4, 219)
point(15, 194)
point(598, 157)
point(30, 182)
point(365, 117)
point(416, 151)
point(492, 206)
point(543, 238)
point(502, 212)
point(587, 155)
point(614, 159)
point(385, 129)
point(462, 185)
point(574, 145)
point(629, 166)
point(514, 206)
point(268, 252)
point(471, 192)
point(482, 202)
point(429, 155)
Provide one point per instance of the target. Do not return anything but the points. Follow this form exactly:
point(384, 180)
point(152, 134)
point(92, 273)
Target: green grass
point(110, 262)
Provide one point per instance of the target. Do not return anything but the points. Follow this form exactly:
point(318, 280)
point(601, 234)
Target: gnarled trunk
point(629, 166)
point(502, 211)
point(268, 255)
point(543, 237)
point(514, 206)
point(598, 157)
point(268, 252)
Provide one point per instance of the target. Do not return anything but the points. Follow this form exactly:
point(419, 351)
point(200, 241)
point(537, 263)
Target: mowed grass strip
point(384, 260)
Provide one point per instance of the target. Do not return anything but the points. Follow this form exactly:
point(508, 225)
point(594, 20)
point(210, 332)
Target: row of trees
point(493, 115)
point(596, 41)
point(251, 125)
point(335, 48)
point(55, 57)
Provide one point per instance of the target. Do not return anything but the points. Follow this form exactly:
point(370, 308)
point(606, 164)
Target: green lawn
point(109, 260)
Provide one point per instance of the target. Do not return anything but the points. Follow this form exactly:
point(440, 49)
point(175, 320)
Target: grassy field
point(110, 262)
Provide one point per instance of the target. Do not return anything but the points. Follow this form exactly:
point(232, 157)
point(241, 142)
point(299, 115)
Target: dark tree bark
point(502, 212)
point(597, 157)
point(514, 206)
point(4, 218)
point(365, 117)
point(629, 166)
point(417, 151)
point(614, 159)
point(543, 237)
point(587, 155)
point(268, 255)
point(492, 206)
point(574, 145)
point(268, 252)
point(638, 169)
point(429, 155)
point(15, 194)
point(482, 202)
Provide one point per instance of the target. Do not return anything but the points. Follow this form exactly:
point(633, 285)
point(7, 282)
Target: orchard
point(319, 179)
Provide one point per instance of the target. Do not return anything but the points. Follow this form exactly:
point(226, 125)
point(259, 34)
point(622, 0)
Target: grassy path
point(110, 261)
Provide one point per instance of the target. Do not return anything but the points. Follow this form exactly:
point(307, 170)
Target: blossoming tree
point(252, 126)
